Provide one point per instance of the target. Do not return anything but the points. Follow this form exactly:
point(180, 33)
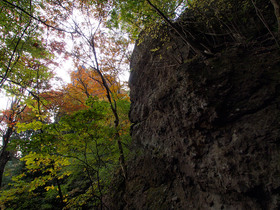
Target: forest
point(62, 143)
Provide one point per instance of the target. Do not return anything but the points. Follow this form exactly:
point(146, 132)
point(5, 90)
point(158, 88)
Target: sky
point(3, 101)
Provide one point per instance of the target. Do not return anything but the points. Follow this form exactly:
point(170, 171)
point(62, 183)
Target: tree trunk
point(60, 193)
point(4, 158)
point(113, 108)
point(276, 5)
point(5, 155)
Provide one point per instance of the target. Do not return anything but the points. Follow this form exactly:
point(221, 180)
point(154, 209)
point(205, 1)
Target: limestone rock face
point(205, 131)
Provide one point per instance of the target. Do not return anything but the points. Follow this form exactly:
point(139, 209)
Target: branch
point(195, 47)
point(259, 14)
point(113, 105)
point(25, 88)
point(36, 18)
point(12, 56)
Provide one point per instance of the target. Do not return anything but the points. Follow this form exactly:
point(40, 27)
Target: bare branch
point(194, 46)
point(37, 18)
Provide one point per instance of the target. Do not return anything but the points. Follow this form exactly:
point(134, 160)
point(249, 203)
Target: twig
point(259, 14)
point(37, 18)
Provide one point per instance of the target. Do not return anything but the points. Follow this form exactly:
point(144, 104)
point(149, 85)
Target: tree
point(88, 51)
point(134, 16)
point(79, 145)
point(9, 119)
point(22, 49)
point(24, 66)
point(82, 134)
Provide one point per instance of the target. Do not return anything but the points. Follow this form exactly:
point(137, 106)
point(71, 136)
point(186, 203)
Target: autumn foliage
point(75, 133)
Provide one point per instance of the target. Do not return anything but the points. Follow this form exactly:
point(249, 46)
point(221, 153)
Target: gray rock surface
point(205, 131)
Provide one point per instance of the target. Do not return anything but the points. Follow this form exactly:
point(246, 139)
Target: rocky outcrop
point(206, 132)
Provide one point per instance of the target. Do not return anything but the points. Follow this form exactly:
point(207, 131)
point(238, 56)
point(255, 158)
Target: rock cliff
point(206, 131)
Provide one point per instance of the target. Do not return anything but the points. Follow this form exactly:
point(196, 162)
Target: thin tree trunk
point(59, 189)
point(4, 158)
point(113, 108)
point(60, 192)
point(5, 155)
point(109, 96)
point(276, 5)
